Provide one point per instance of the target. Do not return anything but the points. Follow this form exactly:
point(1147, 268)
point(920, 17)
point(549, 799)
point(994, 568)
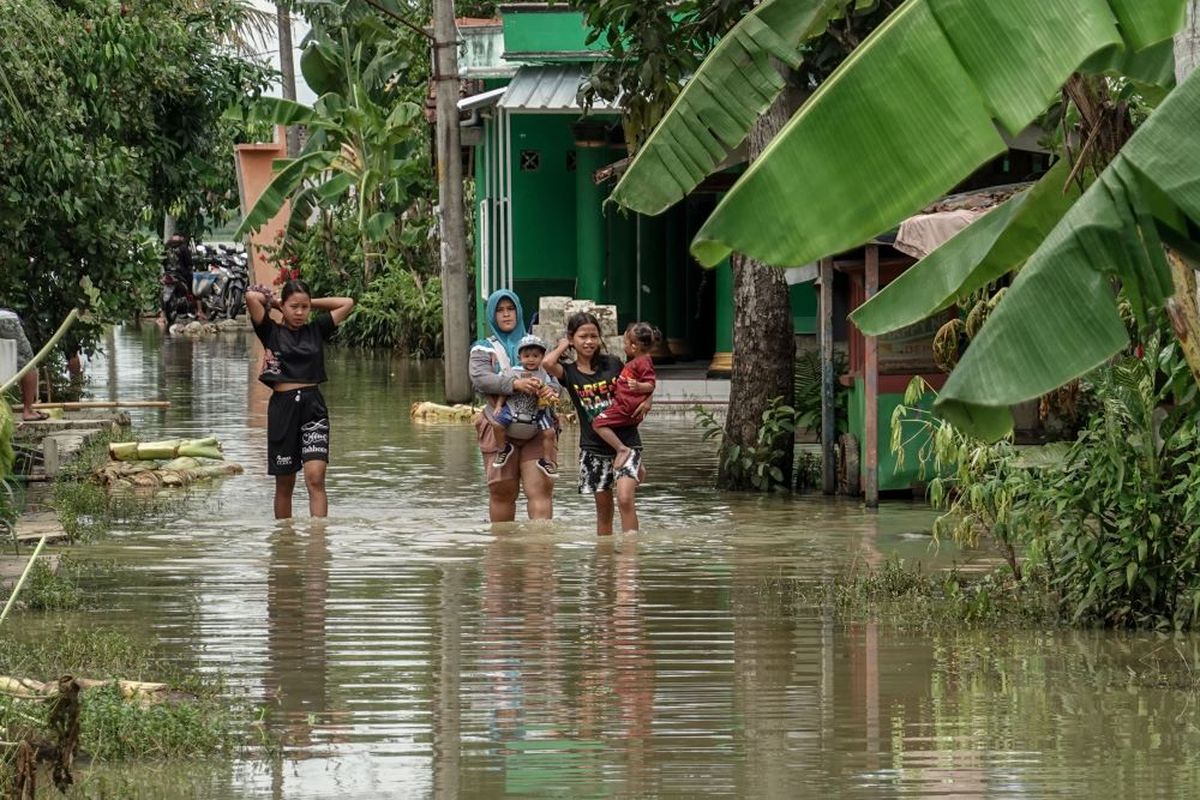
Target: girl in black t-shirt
point(591, 382)
point(293, 366)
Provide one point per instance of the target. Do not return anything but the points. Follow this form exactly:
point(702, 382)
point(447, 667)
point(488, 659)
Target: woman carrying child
point(592, 381)
point(492, 364)
point(293, 366)
point(529, 412)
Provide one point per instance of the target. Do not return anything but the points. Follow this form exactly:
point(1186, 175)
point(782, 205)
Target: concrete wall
point(254, 173)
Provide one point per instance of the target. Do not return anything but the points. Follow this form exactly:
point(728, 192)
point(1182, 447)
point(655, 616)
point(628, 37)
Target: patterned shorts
point(596, 473)
point(10, 328)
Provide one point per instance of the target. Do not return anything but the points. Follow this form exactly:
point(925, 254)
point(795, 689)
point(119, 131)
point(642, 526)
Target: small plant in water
point(758, 464)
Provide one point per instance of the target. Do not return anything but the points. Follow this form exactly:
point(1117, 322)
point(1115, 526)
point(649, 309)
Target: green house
point(543, 169)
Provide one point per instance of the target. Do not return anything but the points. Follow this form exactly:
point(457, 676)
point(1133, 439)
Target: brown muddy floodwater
point(406, 649)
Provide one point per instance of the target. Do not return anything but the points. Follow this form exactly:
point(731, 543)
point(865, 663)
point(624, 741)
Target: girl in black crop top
point(293, 365)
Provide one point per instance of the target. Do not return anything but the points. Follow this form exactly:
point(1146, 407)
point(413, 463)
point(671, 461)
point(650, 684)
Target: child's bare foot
point(621, 457)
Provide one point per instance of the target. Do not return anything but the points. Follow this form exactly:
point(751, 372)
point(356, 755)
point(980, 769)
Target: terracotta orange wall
point(254, 174)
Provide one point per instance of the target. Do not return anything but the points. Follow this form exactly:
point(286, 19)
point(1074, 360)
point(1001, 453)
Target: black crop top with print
point(294, 356)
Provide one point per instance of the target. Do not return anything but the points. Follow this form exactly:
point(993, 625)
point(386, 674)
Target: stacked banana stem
point(174, 462)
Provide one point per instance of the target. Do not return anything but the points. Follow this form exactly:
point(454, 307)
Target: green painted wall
point(621, 284)
point(543, 209)
point(652, 287)
point(889, 478)
point(540, 35)
point(803, 297)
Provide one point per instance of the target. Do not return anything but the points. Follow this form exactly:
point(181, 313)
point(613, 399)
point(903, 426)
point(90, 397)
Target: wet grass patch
point(88, 511)
point(51, 588)
point(197, 717)
point(909, 597)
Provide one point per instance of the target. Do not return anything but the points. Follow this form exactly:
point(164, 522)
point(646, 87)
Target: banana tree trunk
point(1184, 312)
point(1187, 43)
point(763, 339)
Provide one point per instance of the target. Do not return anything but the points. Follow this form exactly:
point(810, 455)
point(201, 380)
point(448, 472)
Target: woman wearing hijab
point(492, 361)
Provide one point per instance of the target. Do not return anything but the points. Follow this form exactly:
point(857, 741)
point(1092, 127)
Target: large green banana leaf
point(912, 111)
point(992, 246)
point(276, 111)
point(291, 173)
point(1059, 319)
point(718, 106)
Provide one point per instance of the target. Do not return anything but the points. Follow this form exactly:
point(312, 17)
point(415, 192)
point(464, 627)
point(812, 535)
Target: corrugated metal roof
point(548, 89)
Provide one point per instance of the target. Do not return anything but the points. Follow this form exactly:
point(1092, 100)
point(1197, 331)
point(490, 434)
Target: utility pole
point(451, 225)
point(287, 70)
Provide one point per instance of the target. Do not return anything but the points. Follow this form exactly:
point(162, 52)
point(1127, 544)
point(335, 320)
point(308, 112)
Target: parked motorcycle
point(174, 298)
point(208, 281)
point(220, 277)
point(237, 263)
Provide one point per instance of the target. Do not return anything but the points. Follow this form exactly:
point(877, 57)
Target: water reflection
point(407, 649)
point(297, 588)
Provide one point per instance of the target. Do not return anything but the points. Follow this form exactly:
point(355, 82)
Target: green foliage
point(88, 511)
point(49, 589)
point(1126, 546)
point(756, 464)
point(108, 119)
point(983, 487)
point(8, 503)
point(655, 47)
point(115, 728)
point(201, 721)
point(366, 153)
point(906, 596)
point(808, 393)
point(400, 304)
point(1113, 517)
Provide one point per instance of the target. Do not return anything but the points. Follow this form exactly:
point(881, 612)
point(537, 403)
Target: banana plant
point(918, 107)
point(357, 150)
point(715, 111)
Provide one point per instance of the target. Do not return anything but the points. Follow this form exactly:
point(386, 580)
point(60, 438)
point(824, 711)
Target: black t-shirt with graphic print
point(295, 356)
point(593, 392)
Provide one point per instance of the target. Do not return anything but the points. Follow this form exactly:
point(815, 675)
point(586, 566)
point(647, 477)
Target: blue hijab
point(508, 340)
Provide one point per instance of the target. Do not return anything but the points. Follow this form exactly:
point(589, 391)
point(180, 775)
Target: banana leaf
point(292, 173)
point(992, 246)
point(274, 110)
point(718, 106)
point(1059, 319)
point(913, 111)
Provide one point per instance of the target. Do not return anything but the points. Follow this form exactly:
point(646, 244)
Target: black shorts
point(297, 430)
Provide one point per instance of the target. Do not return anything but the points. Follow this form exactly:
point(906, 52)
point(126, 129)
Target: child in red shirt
point(635, 382)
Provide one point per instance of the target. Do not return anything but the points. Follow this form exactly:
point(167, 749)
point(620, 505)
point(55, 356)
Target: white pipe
point(485, 250)
point(486, 210)
point(508, 204)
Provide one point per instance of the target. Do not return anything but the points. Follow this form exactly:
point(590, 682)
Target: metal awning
point(481, 100)
point(550, 89)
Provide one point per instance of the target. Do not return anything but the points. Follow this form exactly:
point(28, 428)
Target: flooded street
point(405, 649)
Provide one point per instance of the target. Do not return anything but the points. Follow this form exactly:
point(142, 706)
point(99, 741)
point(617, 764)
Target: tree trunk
point(763, 339)
point(1187, 43)
point(287, 71)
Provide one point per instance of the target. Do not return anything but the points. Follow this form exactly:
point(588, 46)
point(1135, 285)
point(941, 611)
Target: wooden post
point(871, 490)
point(828, 423)
point(452, 225)
point(287, 71)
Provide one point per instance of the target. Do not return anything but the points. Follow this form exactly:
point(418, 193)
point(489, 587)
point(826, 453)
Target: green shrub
point(1113, 517)
point(757, 463)
point(1125, 549)
point(808, 393)
point(399, 303)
